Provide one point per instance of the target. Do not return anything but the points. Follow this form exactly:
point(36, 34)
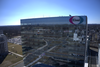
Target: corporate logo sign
point(76, 20)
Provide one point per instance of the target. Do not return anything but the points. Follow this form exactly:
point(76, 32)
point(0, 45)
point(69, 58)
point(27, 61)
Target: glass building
point(3, 47)
point(62, 39)
point(3, 44)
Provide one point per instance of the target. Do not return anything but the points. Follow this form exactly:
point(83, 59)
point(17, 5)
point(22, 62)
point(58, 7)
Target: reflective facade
point(59, 38)
point(3, 45)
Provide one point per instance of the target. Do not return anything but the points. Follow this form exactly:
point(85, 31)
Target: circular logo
point(76, 20)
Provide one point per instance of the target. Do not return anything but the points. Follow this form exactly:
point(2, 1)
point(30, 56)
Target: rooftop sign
point(76, 20)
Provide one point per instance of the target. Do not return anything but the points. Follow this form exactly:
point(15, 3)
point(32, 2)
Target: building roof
point(49, 20)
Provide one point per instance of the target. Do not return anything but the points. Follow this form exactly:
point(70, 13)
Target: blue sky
point(11, 11)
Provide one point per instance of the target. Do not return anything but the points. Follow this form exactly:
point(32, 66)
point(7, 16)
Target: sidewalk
point(15, 63)
point(34, 61)
point(16, 54)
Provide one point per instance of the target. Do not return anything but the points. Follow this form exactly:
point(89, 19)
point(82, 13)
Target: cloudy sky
point(11, 11)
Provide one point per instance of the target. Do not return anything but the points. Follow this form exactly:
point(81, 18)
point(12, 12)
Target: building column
point(86, 53)
point(99, 55)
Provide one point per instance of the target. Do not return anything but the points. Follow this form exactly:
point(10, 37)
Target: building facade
point(3, 45)
point(54, 37)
